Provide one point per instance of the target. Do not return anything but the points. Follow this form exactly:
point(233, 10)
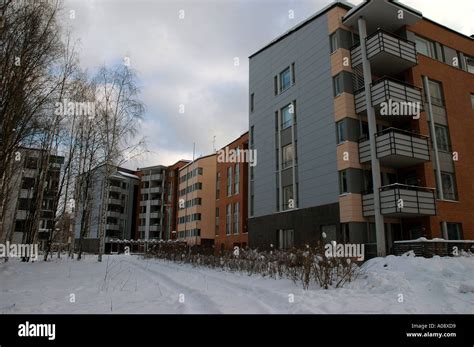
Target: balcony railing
point(397, 148)
point(388, 54)
point(398, 201)
point(399, 98)
point(112, 201)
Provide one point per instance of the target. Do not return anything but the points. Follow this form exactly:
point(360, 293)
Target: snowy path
point(131, 284)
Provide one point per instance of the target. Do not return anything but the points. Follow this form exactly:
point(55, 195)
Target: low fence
point(429, 248)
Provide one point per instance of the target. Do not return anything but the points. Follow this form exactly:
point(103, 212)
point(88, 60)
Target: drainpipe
point(379, 221)
point(439, 182)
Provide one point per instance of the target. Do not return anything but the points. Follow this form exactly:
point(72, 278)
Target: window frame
point(283, 73)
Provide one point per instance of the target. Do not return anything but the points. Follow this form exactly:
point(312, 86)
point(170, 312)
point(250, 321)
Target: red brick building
point(232, 194)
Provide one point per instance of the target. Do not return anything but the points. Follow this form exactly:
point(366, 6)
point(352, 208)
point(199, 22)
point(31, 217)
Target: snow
point(132, 284)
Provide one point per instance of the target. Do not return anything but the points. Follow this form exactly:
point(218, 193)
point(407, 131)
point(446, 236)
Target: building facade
point(120, 207)
point(171, 199)
point(197, 201)
point(340, 110)
point(151, 211)
point(23, 194)
point(232, 195)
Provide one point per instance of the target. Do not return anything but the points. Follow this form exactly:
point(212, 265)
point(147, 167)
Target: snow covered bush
point(307, 265)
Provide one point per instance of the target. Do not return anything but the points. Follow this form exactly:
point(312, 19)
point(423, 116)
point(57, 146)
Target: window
point(285, 79)
point(287, 116)
point(275, 85)
point(237, 179)
point(252, 96)
point(252, 130)
point(337, 80)
point(341, 135)
point(436, 93)
point(228, 219)
point(472, 101)
point(218, 185)
point(425, 47)
point(217, 220)
point(343, 189)
point(251, 204)
point(285, 239)
point(454, 231)
point(449, 186)
point(236, 217)
point(229, 181)
point(287, 152)
point(293, 73)
point(470, 64)
point(442, 138)
point(288, 197)
point(334, 42)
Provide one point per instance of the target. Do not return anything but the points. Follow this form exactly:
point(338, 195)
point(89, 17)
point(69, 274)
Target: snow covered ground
point(131, 284)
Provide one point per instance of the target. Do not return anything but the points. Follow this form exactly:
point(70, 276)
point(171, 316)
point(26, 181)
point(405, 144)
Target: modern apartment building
point(232, 194)
point(197, 201)
point(171, 199)
point(24, 191)
point(120, 207)
point(152, 184)
point(362, 117)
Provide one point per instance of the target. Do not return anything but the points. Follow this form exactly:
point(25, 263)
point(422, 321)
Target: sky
point(191, 57)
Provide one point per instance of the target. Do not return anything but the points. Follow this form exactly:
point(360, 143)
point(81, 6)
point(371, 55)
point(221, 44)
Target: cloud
point(190, 61)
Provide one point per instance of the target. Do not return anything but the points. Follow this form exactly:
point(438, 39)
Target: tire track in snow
point(199, 303)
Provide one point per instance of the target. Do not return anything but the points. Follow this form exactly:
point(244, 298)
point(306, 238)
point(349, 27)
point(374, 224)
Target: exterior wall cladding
point(331, 193)
point(316, 173)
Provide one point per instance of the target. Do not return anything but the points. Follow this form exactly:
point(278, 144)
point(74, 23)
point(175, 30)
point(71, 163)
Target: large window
point(449, 186)
point(287, 116)
point(343, 187)
point(425, 47)
point(470, 64)
point(285, 79)
point(288, 201)
point(236, 217)
point(218, 185)
point(454, 231)
point(442, 138)
point(436, 93)
point(217, 220)
point(229, 181)
point(237, 179)
point(472, 101)
point(285, 239)
point(228, 219)
point(337, 84)
point(334, 42)
point(341, 134)
point(287, 152)
point(252, 97)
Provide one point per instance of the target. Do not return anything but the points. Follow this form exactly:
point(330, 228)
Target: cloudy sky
point(194, 53)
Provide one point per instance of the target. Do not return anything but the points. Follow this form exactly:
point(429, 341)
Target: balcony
point(401, 201)
point(388, 54)
point(115, 189)
point(115, 202)
point(155, 190)
point(155, 215)
point(154, 177)
point(155, 228)
point(397, 148)
point(114, 214)
point(114, 227)
point(391, 98)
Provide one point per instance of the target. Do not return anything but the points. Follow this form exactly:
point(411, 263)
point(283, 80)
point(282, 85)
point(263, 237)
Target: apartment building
point(171, 199)
point(197, 201)
point(361, 117)
point(23, 194)
point(151, 212)
point(232, 194)
point(120, 207)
